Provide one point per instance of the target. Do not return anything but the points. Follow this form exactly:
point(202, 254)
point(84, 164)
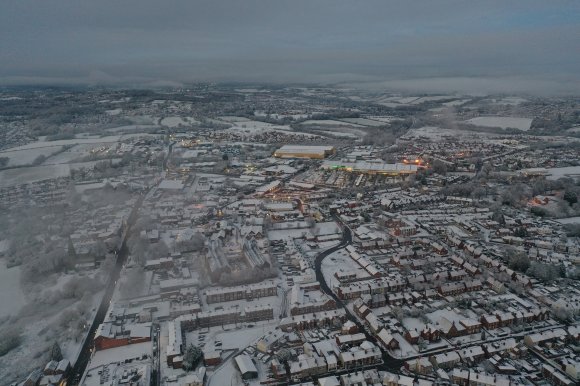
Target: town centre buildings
point(369, 167)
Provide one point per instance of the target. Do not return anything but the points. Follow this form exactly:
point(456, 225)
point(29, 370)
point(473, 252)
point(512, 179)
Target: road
point(85, 353)
point(389, 363)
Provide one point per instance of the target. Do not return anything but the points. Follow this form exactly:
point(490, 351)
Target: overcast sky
point(407, 43)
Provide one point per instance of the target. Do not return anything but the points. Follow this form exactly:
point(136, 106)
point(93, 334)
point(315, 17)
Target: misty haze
point(314, 193)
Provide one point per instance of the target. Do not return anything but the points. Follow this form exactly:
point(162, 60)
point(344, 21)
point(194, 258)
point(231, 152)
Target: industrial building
point(300, 151)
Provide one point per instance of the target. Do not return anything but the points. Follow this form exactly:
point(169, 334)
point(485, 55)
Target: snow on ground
point(509, 101)
point(457, 102)
point(569, 220)
point(439, 134)
point(430, 99)
point(127, 128)
point(384, 119)
point(82, 139)
point(329, 122)
point(398, 100)
point(363, 121)
point(12, 298)
point(257, 127)
point(503, 122)
point(405, 350)
point(569, 171)
point(338, 134)
point(37, 333)
point(342, 130)
point(335, 262)
point(286, 234)
point(281, 116)
point(118, 354)
point(177, 121)
point(114, 112)
point(231, 119)
point(27, 156)
point(71, 349)
point(243, 337)
point(327, 228)
point(64, 142)
point(24, 175)
point(36, 173)
point(226, 375)
point(74, 153)
point(413, 324)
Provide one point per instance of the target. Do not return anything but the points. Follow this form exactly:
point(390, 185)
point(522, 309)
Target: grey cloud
point(145, 41)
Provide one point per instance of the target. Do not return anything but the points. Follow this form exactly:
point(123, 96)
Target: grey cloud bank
point(530, 46)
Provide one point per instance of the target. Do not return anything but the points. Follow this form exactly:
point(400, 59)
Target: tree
point(192, 357)
point(539, 211)
point(195, 244)
point(71, 254)
point(39, 160)
point(99, 250)
point(519, 261)
point(422, 344)
point(55, 352)
point(544, 271)
point(439, 167)
point(10, 338)
point(570, 197)
point(521, 232)
point(133, 283)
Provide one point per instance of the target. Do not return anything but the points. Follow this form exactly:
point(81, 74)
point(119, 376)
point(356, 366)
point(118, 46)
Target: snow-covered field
point(40, 328)
point(569, 220)
point(329, 122)
point(27, 156)
point(363, 122)
point(257, 127)
point(503, 122)
point(128, 128)
point(384, 119)
point(71, 155)
point(338, 134)
point(177, 121)
point(514, 101)
point(114, 112)
point(80, 140)
point(12, 298)
point(232, 119)
point(568, 171)
point(19, 176)
point(438, 134)
point(457, 102)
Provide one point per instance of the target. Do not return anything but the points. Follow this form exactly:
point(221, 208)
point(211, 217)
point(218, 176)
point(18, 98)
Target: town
point(223, 235)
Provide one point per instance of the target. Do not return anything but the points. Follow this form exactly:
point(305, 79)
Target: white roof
point(245, 364)
point(171, 184)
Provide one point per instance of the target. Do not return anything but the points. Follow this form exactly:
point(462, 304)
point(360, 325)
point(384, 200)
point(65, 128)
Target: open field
point(177, 121)
point(24, 175)
point(27, 156)
point(503, 122)
point(329, 122)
